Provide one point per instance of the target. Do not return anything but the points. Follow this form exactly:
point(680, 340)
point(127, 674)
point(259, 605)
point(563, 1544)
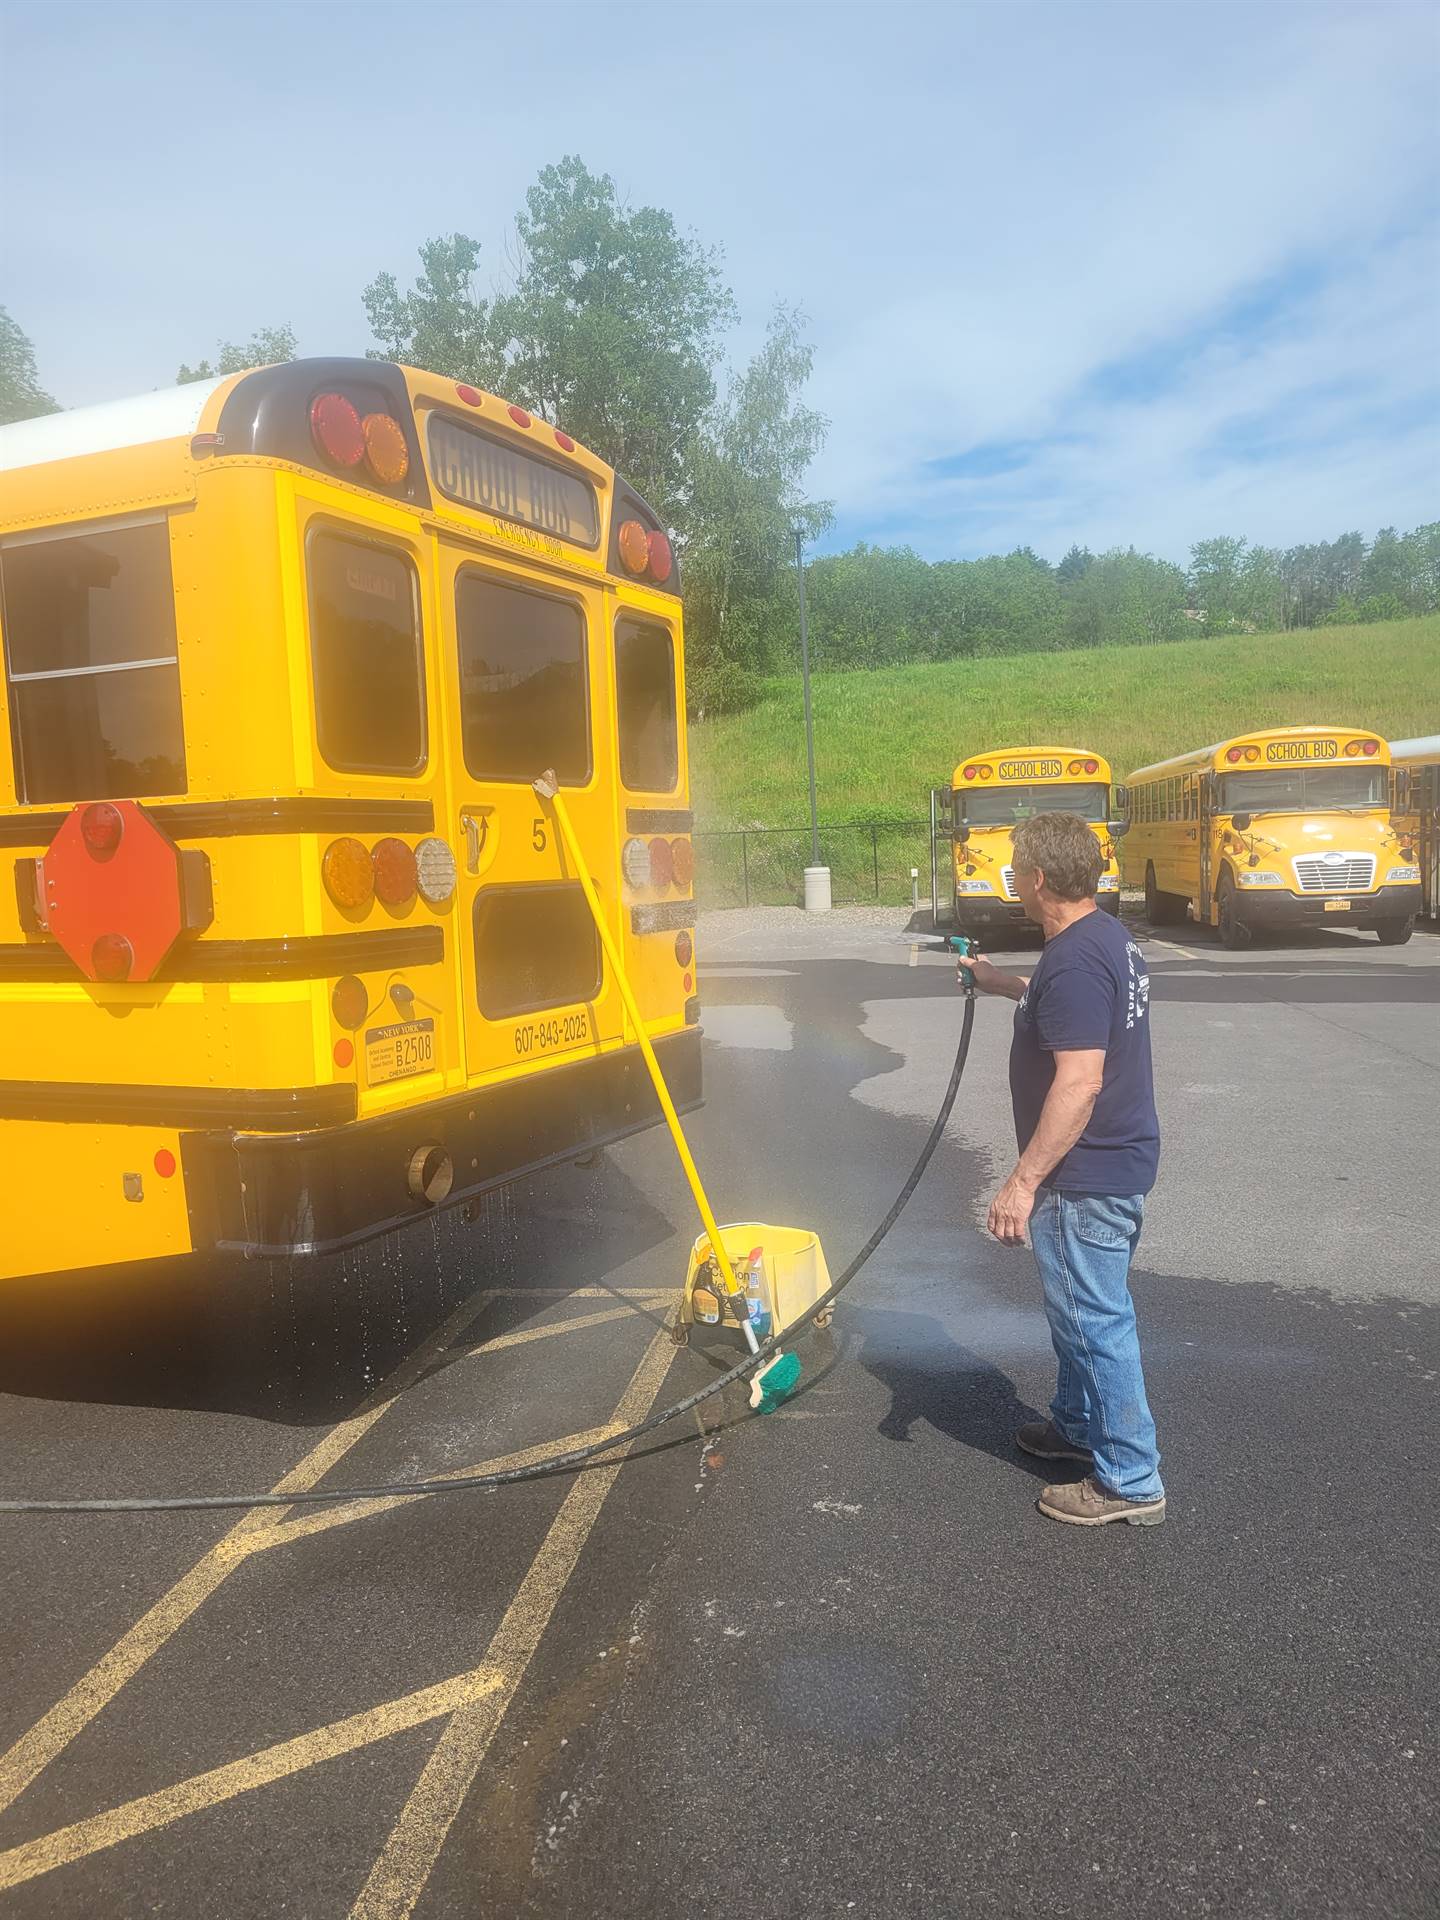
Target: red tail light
point(662, 863)
point(969, 773)
point(101, 827)
point(349, 1001)
point(112, 957)
point(684, 948)
point(660, 556)
point(1092, 766)
point(395, 873)
point(1368, 747)
point(564, 441)
point(470, 395)
point(682, 857)
point(1233, 756)
point(519, 416)
point(336, 429)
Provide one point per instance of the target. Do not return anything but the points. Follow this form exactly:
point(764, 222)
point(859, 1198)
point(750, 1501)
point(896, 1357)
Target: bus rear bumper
point(1266, 909)
point(318, 1192)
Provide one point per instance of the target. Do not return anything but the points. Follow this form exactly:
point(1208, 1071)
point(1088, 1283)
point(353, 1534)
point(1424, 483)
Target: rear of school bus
point(1274, 830)
point(991, 793)
point(291, 955)
point(1415, 810)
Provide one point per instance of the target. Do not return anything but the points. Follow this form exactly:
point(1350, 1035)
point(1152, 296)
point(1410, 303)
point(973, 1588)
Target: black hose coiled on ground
point(576, 1456)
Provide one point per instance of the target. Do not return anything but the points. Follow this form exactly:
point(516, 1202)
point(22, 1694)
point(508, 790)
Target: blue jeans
point(1083, 1243)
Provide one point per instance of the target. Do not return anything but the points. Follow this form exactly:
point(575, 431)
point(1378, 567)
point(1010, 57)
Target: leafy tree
point(1128, 599)
point(265, 348)
point(1215, 581)
point(21, 395)
point(441, 324)
point(1076, 564)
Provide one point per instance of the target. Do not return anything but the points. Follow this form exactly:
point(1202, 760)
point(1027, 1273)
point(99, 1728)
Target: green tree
point(1076, 564)
point(21, 395)
point(1128, 599)
point(441, 324)
point(265, 348)
point(1215, 581)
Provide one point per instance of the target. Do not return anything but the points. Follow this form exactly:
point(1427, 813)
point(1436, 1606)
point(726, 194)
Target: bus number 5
point(537, 835)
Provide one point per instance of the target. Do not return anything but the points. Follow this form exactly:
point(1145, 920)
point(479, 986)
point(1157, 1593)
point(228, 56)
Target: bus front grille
point(1007, 881)
point(1345, 873)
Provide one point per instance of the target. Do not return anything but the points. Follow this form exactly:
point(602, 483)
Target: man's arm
point(1068, 1106)
point(990, 979)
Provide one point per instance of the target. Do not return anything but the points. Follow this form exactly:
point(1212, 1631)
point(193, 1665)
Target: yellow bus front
point(991, 794)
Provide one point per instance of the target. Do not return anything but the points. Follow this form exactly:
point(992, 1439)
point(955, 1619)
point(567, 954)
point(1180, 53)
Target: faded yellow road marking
point(522, 1336)
point(94, 1691)
point(68, 1844)
point(399, 1875)
point(1174, 946)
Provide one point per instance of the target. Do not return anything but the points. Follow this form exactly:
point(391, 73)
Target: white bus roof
point(1425, 746)
point(170, 413)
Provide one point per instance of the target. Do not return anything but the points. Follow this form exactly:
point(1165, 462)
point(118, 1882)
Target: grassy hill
point(883, 739)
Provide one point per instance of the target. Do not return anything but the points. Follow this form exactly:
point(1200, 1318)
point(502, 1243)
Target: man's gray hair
point(1065, 850)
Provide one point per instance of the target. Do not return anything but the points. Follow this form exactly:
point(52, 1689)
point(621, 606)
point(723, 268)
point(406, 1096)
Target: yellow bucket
point(792, 1264)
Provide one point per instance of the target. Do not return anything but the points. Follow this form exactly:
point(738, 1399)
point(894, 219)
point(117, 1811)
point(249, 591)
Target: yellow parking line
point(204, 1790)
point(53, 1732)
point(399, 1875)
point(522, 1336)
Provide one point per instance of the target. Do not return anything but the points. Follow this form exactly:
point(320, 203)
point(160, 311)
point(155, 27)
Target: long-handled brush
point(775, 1381)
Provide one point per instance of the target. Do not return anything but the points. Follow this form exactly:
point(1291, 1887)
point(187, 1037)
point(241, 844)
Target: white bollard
point(817, 889)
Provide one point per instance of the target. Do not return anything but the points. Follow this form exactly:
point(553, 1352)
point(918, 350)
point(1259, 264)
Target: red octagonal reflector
point(133, 892)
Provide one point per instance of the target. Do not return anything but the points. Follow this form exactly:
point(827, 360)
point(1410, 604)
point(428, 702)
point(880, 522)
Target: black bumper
point(1270, 907)
point(985, 911)
point(317, 1192)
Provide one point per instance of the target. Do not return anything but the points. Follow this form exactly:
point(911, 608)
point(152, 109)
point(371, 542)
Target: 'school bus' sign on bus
point(480, 472)
point(1285, 752)
point(1030, 769)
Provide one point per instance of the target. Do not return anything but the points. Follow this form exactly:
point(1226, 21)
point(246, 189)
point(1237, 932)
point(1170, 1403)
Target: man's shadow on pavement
point(931, 1377)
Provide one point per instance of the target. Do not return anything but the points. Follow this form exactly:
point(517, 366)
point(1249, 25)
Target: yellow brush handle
point(548, 789)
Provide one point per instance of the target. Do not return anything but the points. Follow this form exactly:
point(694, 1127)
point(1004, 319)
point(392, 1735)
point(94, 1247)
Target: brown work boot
point(1085, 1503)
point(1045, 1440)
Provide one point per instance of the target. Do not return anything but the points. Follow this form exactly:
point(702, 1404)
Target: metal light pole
point(817, 878)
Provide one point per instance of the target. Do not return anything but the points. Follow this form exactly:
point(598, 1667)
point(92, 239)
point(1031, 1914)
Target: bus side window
point(524, 694)
point(91, 661)
point(645, 703)
point(365, 641)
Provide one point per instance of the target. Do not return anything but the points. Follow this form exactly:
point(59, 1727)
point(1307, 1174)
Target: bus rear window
point(523, 695)
point(645, 698)
point(365, 639)
point(90, 658)
point(535, 947)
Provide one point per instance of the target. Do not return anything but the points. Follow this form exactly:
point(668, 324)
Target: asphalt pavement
point(829, 1662)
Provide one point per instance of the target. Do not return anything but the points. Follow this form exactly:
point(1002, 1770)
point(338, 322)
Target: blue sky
point(1099, 271)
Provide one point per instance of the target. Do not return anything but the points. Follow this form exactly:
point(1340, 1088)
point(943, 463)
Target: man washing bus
point(1089, 1140)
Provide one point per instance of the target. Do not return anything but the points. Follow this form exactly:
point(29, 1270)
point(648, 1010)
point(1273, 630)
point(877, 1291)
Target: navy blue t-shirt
point(1091, 990)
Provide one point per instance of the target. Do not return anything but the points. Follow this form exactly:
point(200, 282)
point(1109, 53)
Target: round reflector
point(349, 1001)
point(661, 558)
point(634, 546)
point(385, 448)
point(101, 826)
point(112, 956)
point(635, 863)
point(164, 1163)
point(662, 863)
point(1367, 747)
point(564, 440)
point(470, 395)
point(1092, 766)
point(519, 416)
point(684, 948)
point(435, 870)
point(348, 872)
point(682, 857)
point(344, 1052)
point(395, 874)
point(336, 429)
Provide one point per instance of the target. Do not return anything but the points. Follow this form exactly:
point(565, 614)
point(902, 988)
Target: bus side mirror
point(962, 834)
point(1121, 797)
point(1118, 829)
point(1241, 822)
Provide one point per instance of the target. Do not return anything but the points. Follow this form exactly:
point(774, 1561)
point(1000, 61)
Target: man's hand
point(988, 978)
point(1010, 1212)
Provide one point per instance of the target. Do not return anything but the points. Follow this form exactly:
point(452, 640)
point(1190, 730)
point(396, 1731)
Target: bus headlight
point(1109, 883)
point(1260, 879)
point(1402, 876)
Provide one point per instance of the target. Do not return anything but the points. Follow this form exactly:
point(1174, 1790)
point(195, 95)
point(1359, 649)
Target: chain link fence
point(765, 866)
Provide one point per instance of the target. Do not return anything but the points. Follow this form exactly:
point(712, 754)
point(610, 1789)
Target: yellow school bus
point(1280, 828)
point(289, 954)
point(1415, 810)
point(990, 794)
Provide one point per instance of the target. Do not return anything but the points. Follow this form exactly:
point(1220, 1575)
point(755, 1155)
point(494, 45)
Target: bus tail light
point(385, 448)
point(349, 1002)
point(635, 863)
point(682, 855)
point(634, 546)
point(660, 557)
point(396, 877)
point(1252, 754)
point(969, 773)
point(1092, 766)
point(985, 772)
point(684, 949)
point(349, 873)
point(1077, 766)
point(1369, 747)
point(336, 429)
point(101, 826)
point(662, 863)
point(112, 957)
point(1234, 756)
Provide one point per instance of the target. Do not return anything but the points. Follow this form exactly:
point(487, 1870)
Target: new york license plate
point(1337, 906)
point(394, 1053)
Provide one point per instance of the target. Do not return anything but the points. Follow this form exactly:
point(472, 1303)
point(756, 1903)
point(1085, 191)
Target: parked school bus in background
point(1277, 829)
point(989, 795)
point(1415, 810)
point(289, 953)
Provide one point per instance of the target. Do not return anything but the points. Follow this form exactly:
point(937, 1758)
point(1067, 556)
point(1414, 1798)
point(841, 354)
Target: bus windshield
point(1302, 789)
point(1005, 806)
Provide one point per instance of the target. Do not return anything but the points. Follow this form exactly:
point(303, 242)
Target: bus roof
point(1424, 748)
point(1204, 758)
point(1027, 754)
point(171, 413)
